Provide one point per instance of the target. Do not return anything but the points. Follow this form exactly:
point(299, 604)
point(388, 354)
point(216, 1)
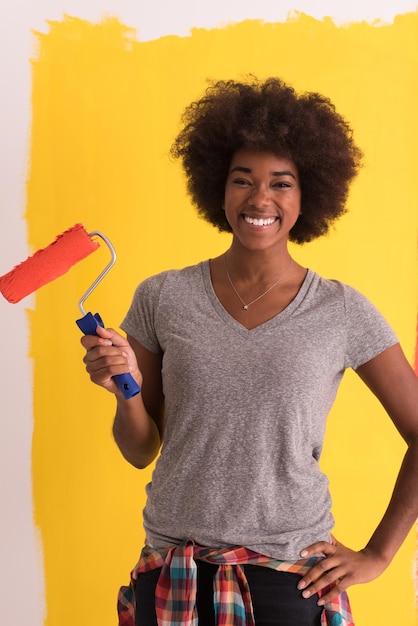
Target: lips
point(259, 221)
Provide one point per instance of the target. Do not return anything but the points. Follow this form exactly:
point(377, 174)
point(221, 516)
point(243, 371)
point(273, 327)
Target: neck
point(257, 265)
point(245, 303)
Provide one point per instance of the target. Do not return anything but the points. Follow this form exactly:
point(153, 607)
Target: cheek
point(231, 211)
point(298, 203)
point(229, 203)
point(227, 214)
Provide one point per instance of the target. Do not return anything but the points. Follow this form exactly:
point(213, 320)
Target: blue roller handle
point(125, 382)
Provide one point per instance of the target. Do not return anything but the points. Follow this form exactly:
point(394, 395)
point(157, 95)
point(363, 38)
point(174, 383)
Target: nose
point(259, 197)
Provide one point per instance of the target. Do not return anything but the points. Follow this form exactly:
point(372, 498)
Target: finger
point(333, 592)
point(328, 581)
point(320, 547)
point(102, 336)
point(107, 372)
point(89, 342)
point(106, 336)
point(322, 568)
point(104, 332)
point(102, 370)
point(110, 334)
point(106, 356)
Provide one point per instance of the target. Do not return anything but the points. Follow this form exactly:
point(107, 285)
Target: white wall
point(21, 579)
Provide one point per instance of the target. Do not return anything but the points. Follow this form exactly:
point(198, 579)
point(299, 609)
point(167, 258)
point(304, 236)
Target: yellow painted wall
point(105, 110)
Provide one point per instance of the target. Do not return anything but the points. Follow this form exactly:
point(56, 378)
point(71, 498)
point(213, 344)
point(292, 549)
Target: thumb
point(112, 336)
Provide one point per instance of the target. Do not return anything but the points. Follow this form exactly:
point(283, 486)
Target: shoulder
point(169, 280)
point(336, 289)
point(158, 300)
point(356, 308)
point(367, 332)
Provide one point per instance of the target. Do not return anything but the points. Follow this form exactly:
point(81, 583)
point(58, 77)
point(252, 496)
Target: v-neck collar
point(269, 324)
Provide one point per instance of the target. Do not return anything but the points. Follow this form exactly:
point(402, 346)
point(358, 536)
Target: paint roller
point(47, 264)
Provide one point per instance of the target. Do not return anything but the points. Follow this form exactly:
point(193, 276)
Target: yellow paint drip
point(105, 110)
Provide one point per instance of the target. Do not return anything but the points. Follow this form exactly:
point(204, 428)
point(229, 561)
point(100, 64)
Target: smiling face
point(262, 198)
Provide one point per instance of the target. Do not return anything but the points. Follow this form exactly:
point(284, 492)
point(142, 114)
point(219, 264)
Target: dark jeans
point(275, 597)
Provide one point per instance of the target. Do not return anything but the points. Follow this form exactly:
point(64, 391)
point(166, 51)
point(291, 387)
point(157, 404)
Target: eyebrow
point(247, 170)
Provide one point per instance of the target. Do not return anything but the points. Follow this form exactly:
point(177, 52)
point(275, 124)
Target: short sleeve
point(140, 320)
point(368, 332)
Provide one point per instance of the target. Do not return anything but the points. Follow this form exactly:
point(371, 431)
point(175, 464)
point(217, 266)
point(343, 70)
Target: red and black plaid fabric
point(176, 588)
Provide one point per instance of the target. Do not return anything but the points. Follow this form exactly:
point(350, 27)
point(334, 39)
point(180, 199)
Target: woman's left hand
point(340, 568)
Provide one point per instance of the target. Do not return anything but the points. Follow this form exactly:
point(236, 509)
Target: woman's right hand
point(108, 353)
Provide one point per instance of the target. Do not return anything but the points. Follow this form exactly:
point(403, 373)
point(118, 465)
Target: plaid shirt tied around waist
point(175, 597)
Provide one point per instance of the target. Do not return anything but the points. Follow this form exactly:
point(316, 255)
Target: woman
point(239, 359)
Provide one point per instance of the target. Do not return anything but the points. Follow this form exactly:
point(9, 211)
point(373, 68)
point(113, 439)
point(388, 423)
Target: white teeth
point(260, 222)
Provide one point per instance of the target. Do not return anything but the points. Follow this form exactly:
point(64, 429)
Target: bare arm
point(138, 425)
point(393, 381)
point(130, 430)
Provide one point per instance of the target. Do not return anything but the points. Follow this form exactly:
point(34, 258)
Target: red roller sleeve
point(47, 264)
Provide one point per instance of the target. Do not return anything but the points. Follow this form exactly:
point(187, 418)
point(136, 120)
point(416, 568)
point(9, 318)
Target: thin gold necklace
point(245, 305)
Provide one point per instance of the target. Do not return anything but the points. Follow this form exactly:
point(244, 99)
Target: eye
point(241, 181)
point(282, 184)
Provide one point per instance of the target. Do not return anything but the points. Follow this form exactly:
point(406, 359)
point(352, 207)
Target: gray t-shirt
point(246, 409)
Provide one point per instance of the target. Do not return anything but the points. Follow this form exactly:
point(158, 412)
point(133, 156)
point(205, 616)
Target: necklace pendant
point(245, 306)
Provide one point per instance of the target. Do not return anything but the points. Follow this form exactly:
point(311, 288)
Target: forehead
point(256, 160)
